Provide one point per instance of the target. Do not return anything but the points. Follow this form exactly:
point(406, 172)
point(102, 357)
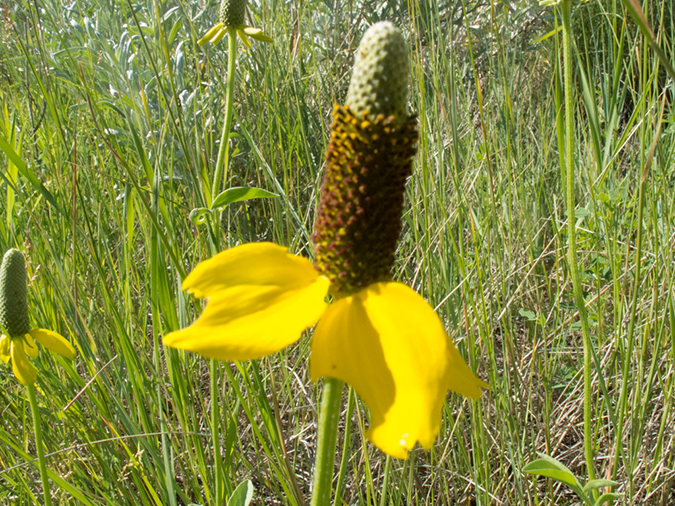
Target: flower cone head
point(369, 158)
point(13, 302)
point(232, 12)
point(379, 82)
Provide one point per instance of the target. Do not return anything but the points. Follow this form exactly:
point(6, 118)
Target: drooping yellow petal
point(261, 298)
point(217, 38)
point(243, 37)
point(388, 343)
point(54, 342)
point(257, 263)
point(4, 348)
point(22, 368)
point(257, 34)
point(30, 347)
point(210, 34)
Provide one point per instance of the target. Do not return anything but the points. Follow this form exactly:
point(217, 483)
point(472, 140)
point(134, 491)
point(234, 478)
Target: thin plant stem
point(345, 447)
point(38, 444)
point(385, 481)
point(630, 335)
point(215, 432)
point(220, 175)
point(329, 415)
point(571, 228)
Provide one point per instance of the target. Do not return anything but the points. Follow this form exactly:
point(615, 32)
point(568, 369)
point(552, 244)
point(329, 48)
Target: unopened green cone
point(232, 12)
point(379, 82)
point(13, 304)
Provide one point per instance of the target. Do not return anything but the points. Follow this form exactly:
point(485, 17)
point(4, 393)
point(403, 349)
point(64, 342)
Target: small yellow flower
point(232, 16)
point(19, 344)
point(377, 335)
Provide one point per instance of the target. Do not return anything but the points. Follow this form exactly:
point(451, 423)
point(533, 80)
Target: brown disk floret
point(359, 217)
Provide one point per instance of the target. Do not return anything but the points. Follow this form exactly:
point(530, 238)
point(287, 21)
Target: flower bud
point(379, 82)
point(13, 304)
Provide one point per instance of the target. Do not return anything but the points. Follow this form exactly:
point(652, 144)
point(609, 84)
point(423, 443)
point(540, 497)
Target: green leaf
point(240, 193)
point(242, 495)
point(199, 215)
point(596, 484)
point(530, 316)
point(609, 496)
point(551, 468)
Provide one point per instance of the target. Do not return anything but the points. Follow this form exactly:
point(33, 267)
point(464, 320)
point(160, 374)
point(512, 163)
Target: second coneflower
point(19, 342)
point(231, 15)
point(379, 336)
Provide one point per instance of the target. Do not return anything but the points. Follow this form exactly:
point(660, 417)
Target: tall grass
point(110, 130)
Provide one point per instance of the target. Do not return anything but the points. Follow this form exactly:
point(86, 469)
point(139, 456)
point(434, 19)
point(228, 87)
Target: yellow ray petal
point(258, 263)
point(217, 38)
point(54, 342)
point(4, 348)
point(243, 37)
point(261, 299)
point(22, 368)
point(210, 34)
point(257, 34)
point(388, 343)
point(30, 347)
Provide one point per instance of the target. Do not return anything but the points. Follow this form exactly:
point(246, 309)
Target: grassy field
point(109, 131)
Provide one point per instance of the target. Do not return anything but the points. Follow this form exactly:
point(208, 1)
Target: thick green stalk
point(571, 227)
point(222, 161)
point(329, 415)
point(38, 444)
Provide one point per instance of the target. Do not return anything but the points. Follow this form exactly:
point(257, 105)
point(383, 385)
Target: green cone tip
point(13, 304)
point(379, 82)
point(232, 12)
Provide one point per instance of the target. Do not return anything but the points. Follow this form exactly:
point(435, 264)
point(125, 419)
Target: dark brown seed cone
point(359, 217)
point(13, 304)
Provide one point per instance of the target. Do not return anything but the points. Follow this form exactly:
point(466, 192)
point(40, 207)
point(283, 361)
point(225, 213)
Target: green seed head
point(13, 304)
point(379, 82)
point(232, 12)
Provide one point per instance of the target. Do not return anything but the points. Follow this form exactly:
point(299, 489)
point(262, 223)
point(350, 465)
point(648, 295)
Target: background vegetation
point(110, 123)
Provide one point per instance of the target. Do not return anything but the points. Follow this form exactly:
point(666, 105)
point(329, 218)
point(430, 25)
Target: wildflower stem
point(571, 228)
point(329, 415)
point(220, 175)
point(215, 432)
point(38, 444)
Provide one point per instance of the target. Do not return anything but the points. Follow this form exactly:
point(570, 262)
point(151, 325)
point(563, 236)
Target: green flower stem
point(329, 415)
point(215, 432)
point(223, 151)
point(571, 227)
point(38, 444)
point(630, 341)
point(219, 176)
